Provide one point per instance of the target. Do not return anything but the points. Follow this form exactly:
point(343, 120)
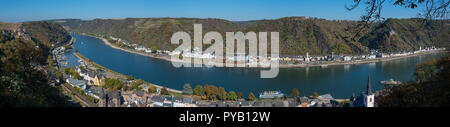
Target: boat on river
point(390, 83)
point(271, 94)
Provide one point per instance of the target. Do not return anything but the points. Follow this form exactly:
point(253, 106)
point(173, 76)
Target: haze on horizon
point(234, 10)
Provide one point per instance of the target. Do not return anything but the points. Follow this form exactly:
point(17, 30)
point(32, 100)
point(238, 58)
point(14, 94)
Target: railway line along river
point(341, 81)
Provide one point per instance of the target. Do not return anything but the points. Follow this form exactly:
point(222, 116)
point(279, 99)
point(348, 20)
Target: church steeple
point(369, 91)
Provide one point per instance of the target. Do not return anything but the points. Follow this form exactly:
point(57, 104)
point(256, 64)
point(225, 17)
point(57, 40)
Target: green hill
point(43, 33)
point(298, 35)
point(406, 34)
point(24, 74)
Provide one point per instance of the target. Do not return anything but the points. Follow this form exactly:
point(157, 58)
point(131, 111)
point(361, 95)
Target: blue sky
point(235, 10)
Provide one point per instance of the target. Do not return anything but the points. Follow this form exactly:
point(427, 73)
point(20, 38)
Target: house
point(148, 50)
point(139, 48)
point(95, 92)
point(87, 74)
point(115, 99)
point(287, 59)
point(347, 58)
point(110, 98)
point(99, 80)
point(77, 83)
point(372, 56)
point(157, 101)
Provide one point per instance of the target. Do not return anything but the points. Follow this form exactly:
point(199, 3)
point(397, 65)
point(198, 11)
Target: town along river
point(341, 81)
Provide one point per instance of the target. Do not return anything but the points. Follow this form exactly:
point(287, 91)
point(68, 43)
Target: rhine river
point(341, 81)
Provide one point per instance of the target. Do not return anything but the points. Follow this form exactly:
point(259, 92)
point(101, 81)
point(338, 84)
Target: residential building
point(99, 80)
point(77, 83)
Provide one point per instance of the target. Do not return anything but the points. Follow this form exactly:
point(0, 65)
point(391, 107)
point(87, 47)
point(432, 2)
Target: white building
point(366, 99)
point(148, 50)
point(347, 58)
point(77, 83)
point(372, 56)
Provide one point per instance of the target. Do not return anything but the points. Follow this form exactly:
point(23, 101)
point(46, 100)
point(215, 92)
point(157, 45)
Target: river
point(341, 81)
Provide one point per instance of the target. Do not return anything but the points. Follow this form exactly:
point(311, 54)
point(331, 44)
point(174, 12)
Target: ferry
point(271, 94)
point(390, 83)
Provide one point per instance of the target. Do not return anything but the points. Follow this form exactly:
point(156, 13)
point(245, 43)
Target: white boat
point(271, 94)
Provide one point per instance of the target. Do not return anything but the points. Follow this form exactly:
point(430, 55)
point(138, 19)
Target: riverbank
point(132, 51)
point(166, 58)
point(362, 61)
point(87, 61)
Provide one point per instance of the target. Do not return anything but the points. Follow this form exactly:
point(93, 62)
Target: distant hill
point(148, 31)
point(44, 33)
point(406, 34)
point(298, 35)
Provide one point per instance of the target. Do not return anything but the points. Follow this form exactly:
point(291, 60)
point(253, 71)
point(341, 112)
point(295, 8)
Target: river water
point(341, 81)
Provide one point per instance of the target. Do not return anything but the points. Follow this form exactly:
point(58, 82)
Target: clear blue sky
point(235, 10)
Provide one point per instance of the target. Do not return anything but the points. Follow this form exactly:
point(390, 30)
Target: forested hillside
point(24, 75)
point(406, 34)
point(298, 35)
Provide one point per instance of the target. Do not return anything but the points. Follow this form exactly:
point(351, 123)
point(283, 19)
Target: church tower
point(369, 97)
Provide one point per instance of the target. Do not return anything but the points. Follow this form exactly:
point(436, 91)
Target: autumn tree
point(295, 92)
point(198, 90)
point(251, 97)
point(152, 89)
point(232, 95)
point(222, 94)
point(315, 95)
point(164, 91)
point(240, 94)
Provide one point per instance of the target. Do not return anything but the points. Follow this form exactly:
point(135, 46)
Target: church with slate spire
point(366, 99)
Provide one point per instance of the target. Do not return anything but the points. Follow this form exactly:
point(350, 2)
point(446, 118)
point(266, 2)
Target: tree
point(135, 85)
point(115, 84)
point(222, 93)
point(152, 89)
point(430, 91)
point(426, 71)
point(434, 9)
point(21, 83)
point(77, 76)
point(251, 97)
point(66, 71)
point(164, 91)
point(240, 94)
point(205, 89)
point(315, 95)
point(139, 82)
point(187, 89)
point(153, 48)
point(130, 77)
point(198, 90)
point(295, 92)
point(211, 92)
point(232, 95)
